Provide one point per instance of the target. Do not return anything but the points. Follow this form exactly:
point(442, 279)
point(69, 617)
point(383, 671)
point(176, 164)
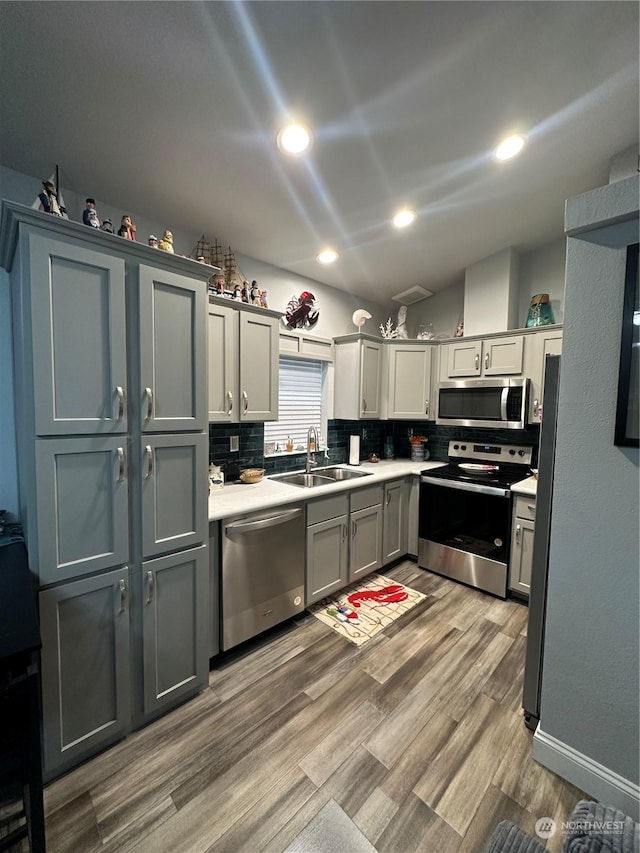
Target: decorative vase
point(540, 311)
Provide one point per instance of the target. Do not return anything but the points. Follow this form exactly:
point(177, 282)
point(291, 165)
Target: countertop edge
point(526, 487)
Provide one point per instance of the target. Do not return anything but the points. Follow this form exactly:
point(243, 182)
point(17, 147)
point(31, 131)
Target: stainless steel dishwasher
point(262, 572)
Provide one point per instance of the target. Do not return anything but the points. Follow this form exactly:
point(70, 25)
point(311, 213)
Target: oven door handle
point(467, 487)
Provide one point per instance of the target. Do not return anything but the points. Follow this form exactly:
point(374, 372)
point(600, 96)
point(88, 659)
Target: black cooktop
point(502, 475)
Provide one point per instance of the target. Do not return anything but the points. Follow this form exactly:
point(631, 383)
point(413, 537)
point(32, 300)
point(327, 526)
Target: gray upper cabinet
point(172, 465)
point(409, 381)
point(173, 335)
point(243, 364)
point(175, 626)
point(539, 346)
point(358, 372)
point(81, 507)
point(500, 356)
point(86, 693)
point(75, 306)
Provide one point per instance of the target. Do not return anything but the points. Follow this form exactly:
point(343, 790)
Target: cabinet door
point(503, 356)
point(78, 337)
point(82, 506)
point(543, 344)
point(409, 382)
point(370, 366)
point(258, 389)
point(175, 627)
point(521, 555)
point(461, 359)
point(222, 351)
point(173, 352)
point(327, 550)
point(365, 542)
point(86, 694)
point(394, 526)
point(174, 486)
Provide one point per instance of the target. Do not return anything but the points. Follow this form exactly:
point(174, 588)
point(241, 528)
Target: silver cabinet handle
point(230, 401)
point(122, 586)
point(486, 360)
point(426, 407)
point(150, 587)
point(150, 461)
point(517, 534)
point(388, 501)
point(477, 360)
point(532, 508)
point(354, 528)
point(364, 405)
point(120, 395)
point(149, 395)
point(344, 532)
point(245, 402)
point(122, 465)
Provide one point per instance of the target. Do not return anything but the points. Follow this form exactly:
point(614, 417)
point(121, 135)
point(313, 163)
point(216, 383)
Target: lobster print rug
point(362, 610)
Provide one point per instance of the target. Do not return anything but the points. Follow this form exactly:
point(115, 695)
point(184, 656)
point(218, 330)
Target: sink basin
point(305, 481)
point(343, 473)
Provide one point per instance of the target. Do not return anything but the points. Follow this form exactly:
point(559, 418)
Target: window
point(300, 404)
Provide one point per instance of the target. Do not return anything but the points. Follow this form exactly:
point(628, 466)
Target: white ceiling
point(171, 110)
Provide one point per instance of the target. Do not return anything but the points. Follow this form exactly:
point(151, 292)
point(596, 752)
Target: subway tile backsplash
point(372, 436)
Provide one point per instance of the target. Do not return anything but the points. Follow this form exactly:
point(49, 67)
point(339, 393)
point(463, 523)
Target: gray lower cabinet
point(327, 547)
point(523, 527)
point(395, 521)
point(175, 626)
point(365, 534)
point(86, 691)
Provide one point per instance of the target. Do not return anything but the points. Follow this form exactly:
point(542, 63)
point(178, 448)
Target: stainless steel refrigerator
point(540, 567)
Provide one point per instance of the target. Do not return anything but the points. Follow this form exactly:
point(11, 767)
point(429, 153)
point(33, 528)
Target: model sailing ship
point(229, 281)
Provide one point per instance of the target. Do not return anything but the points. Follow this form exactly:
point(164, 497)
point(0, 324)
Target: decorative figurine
point(359, 318)
point(254, 293)
point(89, 215)
point(402, 323)
point(263, 299)
point(237, 293)
point(425, 332)
point(49, 199)
point(153, 241)
point(245, 291)
point(459, 329)
point(127, 229)
point(300, 313)
point(107, 226)
point(166, 244)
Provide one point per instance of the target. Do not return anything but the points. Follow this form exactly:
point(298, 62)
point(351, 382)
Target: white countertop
point(240, 498)
point(526, 487)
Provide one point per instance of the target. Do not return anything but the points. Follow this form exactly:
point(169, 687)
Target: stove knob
point(521, 453)
point(463, 447)
point(512, 452)
point(455, 447)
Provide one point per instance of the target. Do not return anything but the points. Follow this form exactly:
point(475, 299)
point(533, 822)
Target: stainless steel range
point(465, 513)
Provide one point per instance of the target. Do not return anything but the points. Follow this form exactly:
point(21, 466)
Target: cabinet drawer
point(525, 507)
point(326, 508)
point(361, 498)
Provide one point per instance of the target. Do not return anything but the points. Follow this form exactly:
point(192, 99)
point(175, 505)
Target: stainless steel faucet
point(312, 432)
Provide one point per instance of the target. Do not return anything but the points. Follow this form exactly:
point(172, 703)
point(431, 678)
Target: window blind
point(300, 401)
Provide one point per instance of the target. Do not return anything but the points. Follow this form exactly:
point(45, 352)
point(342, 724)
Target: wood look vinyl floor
point(417, 736)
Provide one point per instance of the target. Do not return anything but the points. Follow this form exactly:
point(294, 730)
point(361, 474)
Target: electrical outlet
point(410, 432)
point(234, 443)
point(364, 434)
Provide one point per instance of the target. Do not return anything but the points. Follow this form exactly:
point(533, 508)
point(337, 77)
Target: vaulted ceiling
point(171, 109)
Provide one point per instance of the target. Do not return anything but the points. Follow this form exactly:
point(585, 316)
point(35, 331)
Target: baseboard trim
point(585, 773)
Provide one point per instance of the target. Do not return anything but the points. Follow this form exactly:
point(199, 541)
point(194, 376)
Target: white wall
point(589, 705)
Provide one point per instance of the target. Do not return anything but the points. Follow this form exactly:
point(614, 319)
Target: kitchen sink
point(342, 473)
point(305, 481)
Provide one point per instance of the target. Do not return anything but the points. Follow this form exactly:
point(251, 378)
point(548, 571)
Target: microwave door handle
point(504, 397)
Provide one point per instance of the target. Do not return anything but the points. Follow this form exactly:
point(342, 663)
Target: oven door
point(465, 531)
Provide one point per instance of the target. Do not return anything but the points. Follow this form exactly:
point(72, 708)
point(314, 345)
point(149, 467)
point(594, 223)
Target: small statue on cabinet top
point(263, 299)
point(107, 226)
point(401, 329)
point(49, 199)
point(166, 244)
point(127, 228)
point(245, 291)
point(254, 293)
point(459, 329)
point(237, 293)
point(89, 215)
point(153, 241)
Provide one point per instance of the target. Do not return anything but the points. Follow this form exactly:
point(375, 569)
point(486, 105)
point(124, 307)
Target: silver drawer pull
point(150, 587)
point(122, 586)
point(122, 465)
point(120, 395)
point(150, 461)
point(517, 534)
point(354, 528)
point(149, 395)
point(532, 508)
point(477, 360)
point(230, 401)
point(344, 532)
point(245, 402)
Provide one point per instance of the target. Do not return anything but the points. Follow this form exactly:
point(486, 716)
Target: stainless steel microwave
point(500, 403)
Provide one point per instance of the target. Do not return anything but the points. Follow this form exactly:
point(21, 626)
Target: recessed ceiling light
point(294, 139)
point(403, 218)
point(510, 146)
point(327, 256)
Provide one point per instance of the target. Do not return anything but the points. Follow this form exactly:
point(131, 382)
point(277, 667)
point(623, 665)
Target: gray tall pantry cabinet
point(111, 422)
